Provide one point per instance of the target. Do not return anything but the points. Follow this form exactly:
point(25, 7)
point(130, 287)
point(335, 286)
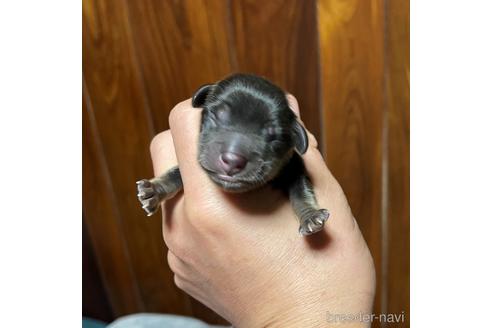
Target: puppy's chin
point(230, 184)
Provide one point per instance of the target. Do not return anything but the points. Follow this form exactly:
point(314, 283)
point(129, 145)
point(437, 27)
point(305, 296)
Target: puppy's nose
point(232, 163)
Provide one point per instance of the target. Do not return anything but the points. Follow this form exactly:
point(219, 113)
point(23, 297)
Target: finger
point(312, 158)
point(312, 141)
point(184, 122)
point(318, 171)
point(163, 153)
point(164, 158)
point(293, 104)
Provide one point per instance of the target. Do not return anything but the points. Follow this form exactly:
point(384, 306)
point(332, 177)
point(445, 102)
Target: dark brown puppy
point(249, 137)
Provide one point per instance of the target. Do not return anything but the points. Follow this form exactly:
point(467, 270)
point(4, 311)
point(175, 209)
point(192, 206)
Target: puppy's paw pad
point(313, 222)
point(148, 196)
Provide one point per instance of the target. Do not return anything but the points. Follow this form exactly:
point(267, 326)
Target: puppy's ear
point(300, 138)
point(200, 95)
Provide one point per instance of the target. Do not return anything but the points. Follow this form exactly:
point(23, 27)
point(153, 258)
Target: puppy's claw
point(147, 196)
point(144, 193)
point(149, 209)
point(144, 183)
point(313, 222)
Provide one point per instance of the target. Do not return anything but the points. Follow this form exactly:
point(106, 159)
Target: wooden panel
point(95, 302)
point(124, 126)
point(278, 40)
point(181, 45)
point(102, 221)
point(351, 55)
point(398, 120)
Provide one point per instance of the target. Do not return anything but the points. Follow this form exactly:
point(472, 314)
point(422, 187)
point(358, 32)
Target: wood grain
point(124, 125)
point(278, 40)
point(103, 223)
point(398, 122)
point(352, 72)
point(95, 302)
point(180, 46)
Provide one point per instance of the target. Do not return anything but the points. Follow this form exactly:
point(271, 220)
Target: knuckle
point(177, 249)
point(167, 229)
point(179, 282)
point(160, 141)
point(173, 261)
point(293, 104)
point(312, 140)
point(314, 154)
point(174, 116)
point(178, 112)
point(167, 233)
point(292, 99)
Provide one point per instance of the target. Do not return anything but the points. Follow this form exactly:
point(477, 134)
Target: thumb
point(184, 123)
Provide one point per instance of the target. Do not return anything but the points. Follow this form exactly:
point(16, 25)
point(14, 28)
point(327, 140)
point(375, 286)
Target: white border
point(451, 106)
point(40, 163)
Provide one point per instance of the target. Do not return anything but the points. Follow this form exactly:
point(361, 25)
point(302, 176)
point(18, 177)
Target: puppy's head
point(248, 132)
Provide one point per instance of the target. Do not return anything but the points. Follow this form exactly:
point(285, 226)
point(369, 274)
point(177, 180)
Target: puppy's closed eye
point(221, 114)
point(274, 133)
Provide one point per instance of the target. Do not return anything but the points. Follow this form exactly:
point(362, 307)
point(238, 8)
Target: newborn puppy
point(249, 137)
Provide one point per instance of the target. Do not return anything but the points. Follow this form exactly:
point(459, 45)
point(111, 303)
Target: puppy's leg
point(303, 200)
point(152, 192)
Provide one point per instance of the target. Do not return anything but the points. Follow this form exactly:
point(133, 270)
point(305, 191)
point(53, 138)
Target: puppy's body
point(249, 137)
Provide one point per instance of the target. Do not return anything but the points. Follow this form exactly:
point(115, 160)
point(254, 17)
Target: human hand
point(241, 254)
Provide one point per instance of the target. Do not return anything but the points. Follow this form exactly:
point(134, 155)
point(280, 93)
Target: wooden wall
point(346, 61)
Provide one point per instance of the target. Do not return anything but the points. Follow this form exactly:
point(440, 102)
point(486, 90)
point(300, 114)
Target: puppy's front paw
point(313, 222)
point(148, 196)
